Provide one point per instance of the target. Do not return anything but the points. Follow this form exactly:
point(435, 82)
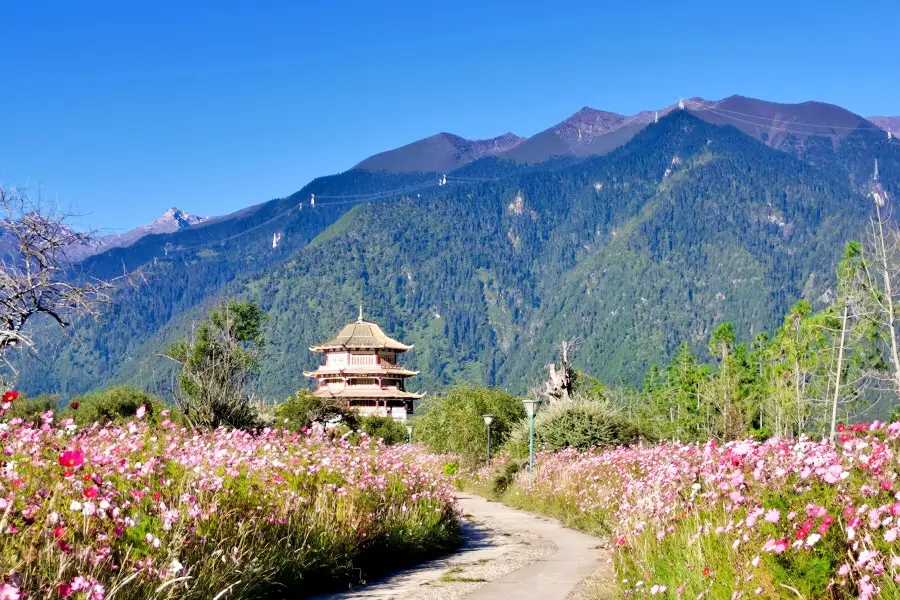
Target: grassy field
point(775, 519)
point(139, 511)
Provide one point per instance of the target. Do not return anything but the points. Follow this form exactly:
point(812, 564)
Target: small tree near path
point(217, 362)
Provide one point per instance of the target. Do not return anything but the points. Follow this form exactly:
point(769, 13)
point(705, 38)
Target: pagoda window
point(364, 381)
point(362, 359)
point(336, 358)
point(388, 357)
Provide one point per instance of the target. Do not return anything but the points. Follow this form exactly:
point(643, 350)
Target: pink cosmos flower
point(71, 458)
point(141, 411)
point(9, 592)
point(865, 557)
point(773, 515)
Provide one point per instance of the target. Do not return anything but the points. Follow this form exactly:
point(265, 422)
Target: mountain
point(887, 123)
point(440, 153)
point(684, 225)
point(774, 122)
point(592, 132)
point(589, 132)
point(170, 221)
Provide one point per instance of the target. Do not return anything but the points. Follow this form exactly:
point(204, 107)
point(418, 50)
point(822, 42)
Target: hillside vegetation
point(686, 226)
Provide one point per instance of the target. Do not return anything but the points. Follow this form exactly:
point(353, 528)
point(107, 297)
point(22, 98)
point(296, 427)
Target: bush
point(303, 409)
point(579, 423)
point(505, 476)
point(31, 409)
point(115, 405)
point(453, 423)
point(384, 428)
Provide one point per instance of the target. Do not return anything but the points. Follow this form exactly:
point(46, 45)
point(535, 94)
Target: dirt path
point(506, 554)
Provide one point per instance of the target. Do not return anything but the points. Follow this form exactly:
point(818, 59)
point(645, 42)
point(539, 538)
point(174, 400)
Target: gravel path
point(505, 553)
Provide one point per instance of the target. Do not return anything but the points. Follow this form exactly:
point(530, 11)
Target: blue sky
point(119, 112)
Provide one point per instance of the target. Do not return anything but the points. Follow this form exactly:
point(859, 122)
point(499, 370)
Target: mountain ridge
point(441, 152)
point(593, 132)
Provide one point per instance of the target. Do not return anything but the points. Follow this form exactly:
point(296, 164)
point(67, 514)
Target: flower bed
point(137, 511)
point(744, 519)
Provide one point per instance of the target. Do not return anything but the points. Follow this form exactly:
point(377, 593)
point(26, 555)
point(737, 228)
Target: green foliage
point(454, 422)
point(31, 408)
point(386, 429)
point(505, 476)
point(303, 409)
point(216, 364)
point(115, 405)
point(579, 423)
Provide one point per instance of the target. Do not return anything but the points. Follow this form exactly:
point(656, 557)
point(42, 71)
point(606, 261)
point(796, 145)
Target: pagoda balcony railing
point(378, 367)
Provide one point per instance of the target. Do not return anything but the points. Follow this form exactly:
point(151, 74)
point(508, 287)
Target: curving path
point(506, 554)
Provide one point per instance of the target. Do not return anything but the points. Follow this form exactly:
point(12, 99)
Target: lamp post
point(531, 408)
point(488, 419)
point(409, 430)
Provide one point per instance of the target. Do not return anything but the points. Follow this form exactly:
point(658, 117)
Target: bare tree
point(883, 244)
point(558, 388)
point(35, 276)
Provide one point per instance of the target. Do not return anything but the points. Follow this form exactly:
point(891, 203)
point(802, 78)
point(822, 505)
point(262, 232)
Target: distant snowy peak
point(170, 221)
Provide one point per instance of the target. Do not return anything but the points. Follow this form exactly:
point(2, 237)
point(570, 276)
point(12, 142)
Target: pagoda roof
point(366, 370)
point(361, 335)
point(352, 392)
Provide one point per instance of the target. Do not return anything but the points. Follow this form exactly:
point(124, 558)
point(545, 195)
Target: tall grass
point(780, 519)
point(136, 511)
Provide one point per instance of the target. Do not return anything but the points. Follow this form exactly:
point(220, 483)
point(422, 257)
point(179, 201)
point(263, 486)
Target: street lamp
point(488, 419)
point(531, 408)
point(409, 430)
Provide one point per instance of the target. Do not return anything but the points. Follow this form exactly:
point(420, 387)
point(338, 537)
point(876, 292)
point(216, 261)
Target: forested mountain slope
point(181, 270)
point(687, 225)
point(633, 253)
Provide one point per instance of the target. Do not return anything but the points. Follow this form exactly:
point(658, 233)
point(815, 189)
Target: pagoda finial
point(360, 318)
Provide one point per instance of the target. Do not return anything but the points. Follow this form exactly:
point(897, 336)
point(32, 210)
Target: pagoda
point(361, 367)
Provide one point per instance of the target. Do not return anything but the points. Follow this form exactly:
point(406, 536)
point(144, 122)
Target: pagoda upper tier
point(361, 367)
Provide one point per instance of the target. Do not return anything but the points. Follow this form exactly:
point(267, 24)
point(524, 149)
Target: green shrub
point(384, 428)
point(579, 423)
point(505, 476)
point(303, 408)
point(116, 404)
point(31, 409)
point(454, 423)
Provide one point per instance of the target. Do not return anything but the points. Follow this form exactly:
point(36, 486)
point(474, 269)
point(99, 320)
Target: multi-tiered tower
point(361, 367)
